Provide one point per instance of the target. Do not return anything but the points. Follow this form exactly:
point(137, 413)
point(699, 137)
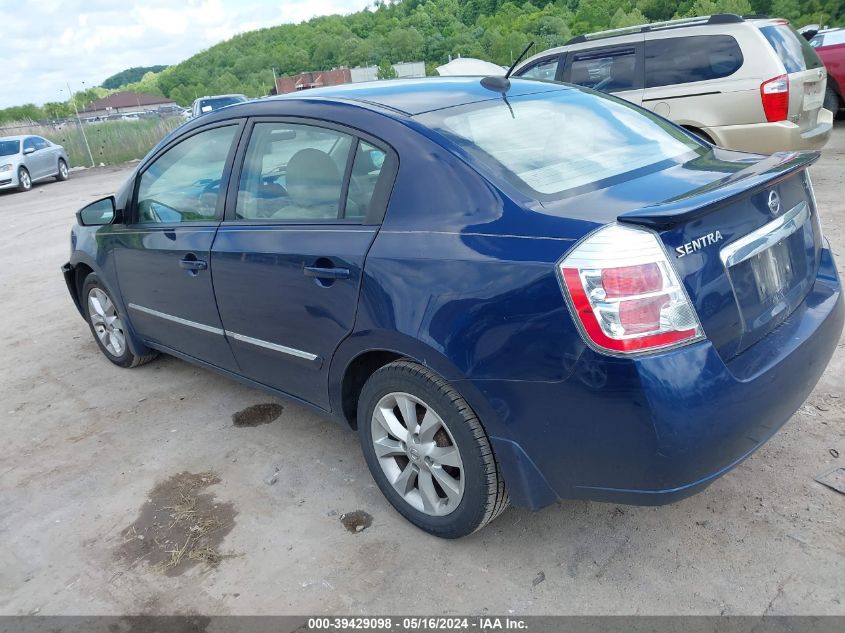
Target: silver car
point(28, 159)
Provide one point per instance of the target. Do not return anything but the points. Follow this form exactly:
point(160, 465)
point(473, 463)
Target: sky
point(53, 42)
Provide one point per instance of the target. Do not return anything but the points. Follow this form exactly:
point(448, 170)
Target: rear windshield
point(560, 141)
point(794, 51)
point(218, 102)
point(9, 148)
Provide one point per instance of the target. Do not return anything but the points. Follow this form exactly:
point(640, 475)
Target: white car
point(28, 159)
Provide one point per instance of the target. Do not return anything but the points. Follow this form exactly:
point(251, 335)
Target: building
point(338, 76)
point(125, 102)
point(404, 70)
point(316, 79)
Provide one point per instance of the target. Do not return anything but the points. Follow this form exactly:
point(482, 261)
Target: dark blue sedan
point(523, 294)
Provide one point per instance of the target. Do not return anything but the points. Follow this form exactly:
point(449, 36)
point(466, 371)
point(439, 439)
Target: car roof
point(416, 96)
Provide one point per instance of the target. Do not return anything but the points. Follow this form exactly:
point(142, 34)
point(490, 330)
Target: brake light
point(775, 96)
point(624, 293)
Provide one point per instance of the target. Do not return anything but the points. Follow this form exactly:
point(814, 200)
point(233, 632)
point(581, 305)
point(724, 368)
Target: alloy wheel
point(106, 322)
point(62, 170)
point(418, 454)
point(26, 181)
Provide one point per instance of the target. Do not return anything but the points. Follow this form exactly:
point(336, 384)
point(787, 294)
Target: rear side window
point(608, 70)
point(543, 69)
point(680, 60)
point(793, 50)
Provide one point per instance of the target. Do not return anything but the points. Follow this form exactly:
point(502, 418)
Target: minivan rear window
point(680, 60)
point(794, 51)
point(559, 141)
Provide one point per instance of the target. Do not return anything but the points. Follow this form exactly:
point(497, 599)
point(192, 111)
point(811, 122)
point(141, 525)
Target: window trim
point(561, 62)
point(599, 51)
point(381, 193)
point(225, 178)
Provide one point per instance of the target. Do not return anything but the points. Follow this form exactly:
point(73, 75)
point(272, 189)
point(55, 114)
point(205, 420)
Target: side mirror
point(28, 150)
point(97, 213)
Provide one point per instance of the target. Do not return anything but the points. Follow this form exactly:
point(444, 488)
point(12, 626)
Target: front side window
point(544, 69)
point(793, 50)
point(41, 143)
point(29, 143)
point(679, 60)
point(563, 140)
point(609, 70)
point(183, 184)
point(294, 172)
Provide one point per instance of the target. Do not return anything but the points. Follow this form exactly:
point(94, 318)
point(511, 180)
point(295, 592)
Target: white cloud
point(85, 41)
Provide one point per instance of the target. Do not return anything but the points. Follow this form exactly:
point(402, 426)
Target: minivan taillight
point(775, 96)
point(625, 295)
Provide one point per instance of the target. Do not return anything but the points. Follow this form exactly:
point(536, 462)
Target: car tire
point(439, 472)
point(107, 325)
point(62, 173)
point(24, 179)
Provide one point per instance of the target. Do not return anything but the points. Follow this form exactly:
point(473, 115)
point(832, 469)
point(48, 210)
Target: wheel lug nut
point(428, 461)
point(416, 437)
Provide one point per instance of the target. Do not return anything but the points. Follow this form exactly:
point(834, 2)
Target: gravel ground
point(278, 512)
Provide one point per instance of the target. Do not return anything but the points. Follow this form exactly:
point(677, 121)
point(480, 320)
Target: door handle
point(193, 264)
point(326, 273)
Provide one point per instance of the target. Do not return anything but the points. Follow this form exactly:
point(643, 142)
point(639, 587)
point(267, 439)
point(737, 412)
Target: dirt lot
point(135, 491)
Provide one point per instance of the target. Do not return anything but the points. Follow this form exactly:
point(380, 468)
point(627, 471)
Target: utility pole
point(275, 85)
point(81, 127)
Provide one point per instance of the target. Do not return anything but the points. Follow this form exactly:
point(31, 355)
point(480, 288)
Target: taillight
point(775, 96)
point(624, 293)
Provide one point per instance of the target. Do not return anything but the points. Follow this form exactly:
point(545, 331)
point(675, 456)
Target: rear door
point(289, 258)
point(614, 69)
point(162, 255)
point(807, 76)
point(47, 156)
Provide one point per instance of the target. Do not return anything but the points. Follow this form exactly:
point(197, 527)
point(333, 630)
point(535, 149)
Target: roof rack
point(718, 18)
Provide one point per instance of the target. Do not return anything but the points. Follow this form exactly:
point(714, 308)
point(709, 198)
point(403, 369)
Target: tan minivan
point(748, 84)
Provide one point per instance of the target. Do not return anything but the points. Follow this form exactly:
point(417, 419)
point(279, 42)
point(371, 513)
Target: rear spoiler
point(701, 201)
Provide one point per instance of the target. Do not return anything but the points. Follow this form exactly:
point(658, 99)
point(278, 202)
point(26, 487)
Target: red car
point(830, 46)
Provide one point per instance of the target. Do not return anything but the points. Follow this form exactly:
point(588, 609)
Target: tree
point(386, 70)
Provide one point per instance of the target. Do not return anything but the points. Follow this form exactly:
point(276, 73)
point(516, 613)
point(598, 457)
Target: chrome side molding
point(283, 349)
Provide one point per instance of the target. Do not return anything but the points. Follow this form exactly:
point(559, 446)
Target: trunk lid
point(746, 247)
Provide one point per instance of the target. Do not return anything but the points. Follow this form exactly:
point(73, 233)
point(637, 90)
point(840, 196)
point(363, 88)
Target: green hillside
point(412, 30)
point(130, 75)
point(431, 30)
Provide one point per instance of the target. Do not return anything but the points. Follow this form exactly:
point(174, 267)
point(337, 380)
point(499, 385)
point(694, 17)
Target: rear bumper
point(767, 138)
point(656, 429)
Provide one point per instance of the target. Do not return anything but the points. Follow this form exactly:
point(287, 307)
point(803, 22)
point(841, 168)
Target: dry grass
point(112, 142)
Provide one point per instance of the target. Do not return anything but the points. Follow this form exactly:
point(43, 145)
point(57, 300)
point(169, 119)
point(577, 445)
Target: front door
point(163, 254)
point(288, 260)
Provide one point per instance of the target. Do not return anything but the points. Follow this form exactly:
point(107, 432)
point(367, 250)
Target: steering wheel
point(603, 83)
